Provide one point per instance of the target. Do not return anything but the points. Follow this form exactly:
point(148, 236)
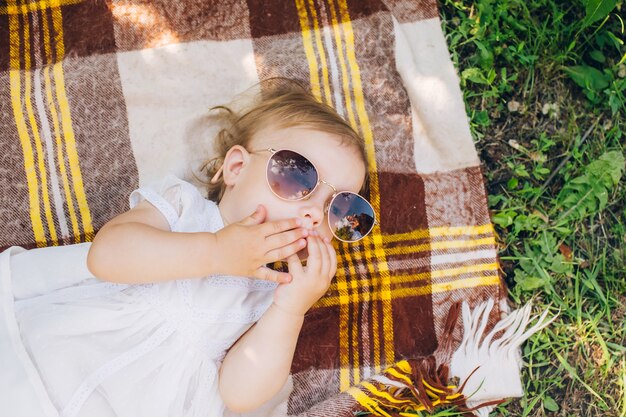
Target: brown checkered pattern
point(68, 143)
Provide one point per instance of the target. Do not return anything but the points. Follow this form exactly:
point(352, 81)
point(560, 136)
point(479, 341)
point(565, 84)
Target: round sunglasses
point(292, 177)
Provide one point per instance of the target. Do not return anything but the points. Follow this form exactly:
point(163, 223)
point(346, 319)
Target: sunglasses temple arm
point(217, 175)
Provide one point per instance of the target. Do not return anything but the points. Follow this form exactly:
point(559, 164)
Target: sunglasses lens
point(290, 175)
point(350, 217)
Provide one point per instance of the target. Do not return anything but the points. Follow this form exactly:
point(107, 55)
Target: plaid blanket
point(100, 97)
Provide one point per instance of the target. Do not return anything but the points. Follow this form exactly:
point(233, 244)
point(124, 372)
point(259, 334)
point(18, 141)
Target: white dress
point(71, 345)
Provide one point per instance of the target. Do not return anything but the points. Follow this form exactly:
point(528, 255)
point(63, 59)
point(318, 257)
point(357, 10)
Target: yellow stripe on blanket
point(439, 274)
point(397, 293)
point(321, 53)
point(15, 80)
point(425, 247)
point(467, 239)
point(27, 125)
point(367, 402)
point(308, 49)
point(384, 290)
point(348, 374)
point(68, 132)
point(13, 9)
point(382, 394)
point(36, 136)
point(56, 124)
point(345, 372)
point(439, 232)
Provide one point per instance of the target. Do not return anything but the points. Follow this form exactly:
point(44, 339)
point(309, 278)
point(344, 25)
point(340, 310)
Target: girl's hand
point(309, 283)
point(245, 247)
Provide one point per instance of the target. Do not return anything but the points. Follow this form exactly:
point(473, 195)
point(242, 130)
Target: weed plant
point(544, 83)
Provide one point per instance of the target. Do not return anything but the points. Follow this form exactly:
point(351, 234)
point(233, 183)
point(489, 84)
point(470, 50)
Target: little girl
point(176, 313)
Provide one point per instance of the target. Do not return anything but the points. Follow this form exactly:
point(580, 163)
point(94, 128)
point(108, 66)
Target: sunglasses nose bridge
point(321, 181)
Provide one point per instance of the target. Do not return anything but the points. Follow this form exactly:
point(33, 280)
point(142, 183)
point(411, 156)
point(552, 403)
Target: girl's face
point(246, 184)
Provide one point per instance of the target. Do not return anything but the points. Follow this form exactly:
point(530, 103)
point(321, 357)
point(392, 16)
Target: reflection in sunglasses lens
point(350, 217)
point(290, 175)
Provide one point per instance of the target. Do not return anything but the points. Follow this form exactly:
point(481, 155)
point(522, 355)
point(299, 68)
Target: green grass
point(544, 84)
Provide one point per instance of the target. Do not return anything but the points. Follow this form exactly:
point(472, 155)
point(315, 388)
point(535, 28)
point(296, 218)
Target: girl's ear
point(236, 158)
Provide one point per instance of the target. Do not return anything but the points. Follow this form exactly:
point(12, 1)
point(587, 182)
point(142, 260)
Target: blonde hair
point(282, 104)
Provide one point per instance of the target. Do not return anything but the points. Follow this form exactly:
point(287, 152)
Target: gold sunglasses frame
point(319, 181)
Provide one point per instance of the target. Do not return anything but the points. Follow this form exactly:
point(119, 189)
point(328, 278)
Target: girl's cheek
point(324, 232)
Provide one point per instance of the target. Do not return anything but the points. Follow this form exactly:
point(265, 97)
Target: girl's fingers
point(271, 275)
point(279, 226)
point(279, 240)
point(314, 260)
point(325, 258)
point(333, 259)
point(285, 252)
point(294, 264)
point(258, 217)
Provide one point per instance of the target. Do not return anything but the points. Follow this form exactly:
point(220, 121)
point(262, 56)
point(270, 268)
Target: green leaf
point(588, 77)
point(504, 218)
point(528, 283)
point(485, 57)
point(512, 183)
point(549, 404)
point(474, 75)
point(481, 118)
point(609, 164)
point(596, 10)
point(589, 193)
point(597, 56)
point(520, 171)
point(615, 102)
point(588, 284)
point(495, 199)
point(560, 266)
point(593, 282)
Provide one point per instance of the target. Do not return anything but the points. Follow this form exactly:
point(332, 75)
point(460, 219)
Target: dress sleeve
point(172, 196)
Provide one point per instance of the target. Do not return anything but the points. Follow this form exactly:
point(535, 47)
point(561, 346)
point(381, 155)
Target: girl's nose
point(312, 216)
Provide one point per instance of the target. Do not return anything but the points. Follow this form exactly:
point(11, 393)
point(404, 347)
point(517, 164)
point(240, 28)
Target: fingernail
point(327, 239)
point(305, 232)
point(299, 222)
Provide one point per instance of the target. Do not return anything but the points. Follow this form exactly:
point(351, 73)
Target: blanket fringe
point(490, 368)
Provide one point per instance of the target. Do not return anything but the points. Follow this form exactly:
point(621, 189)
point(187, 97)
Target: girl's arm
point(138, 247)
point(257, 366)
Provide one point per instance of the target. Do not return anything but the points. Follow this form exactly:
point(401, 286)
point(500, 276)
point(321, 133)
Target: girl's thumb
point(257, 217)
